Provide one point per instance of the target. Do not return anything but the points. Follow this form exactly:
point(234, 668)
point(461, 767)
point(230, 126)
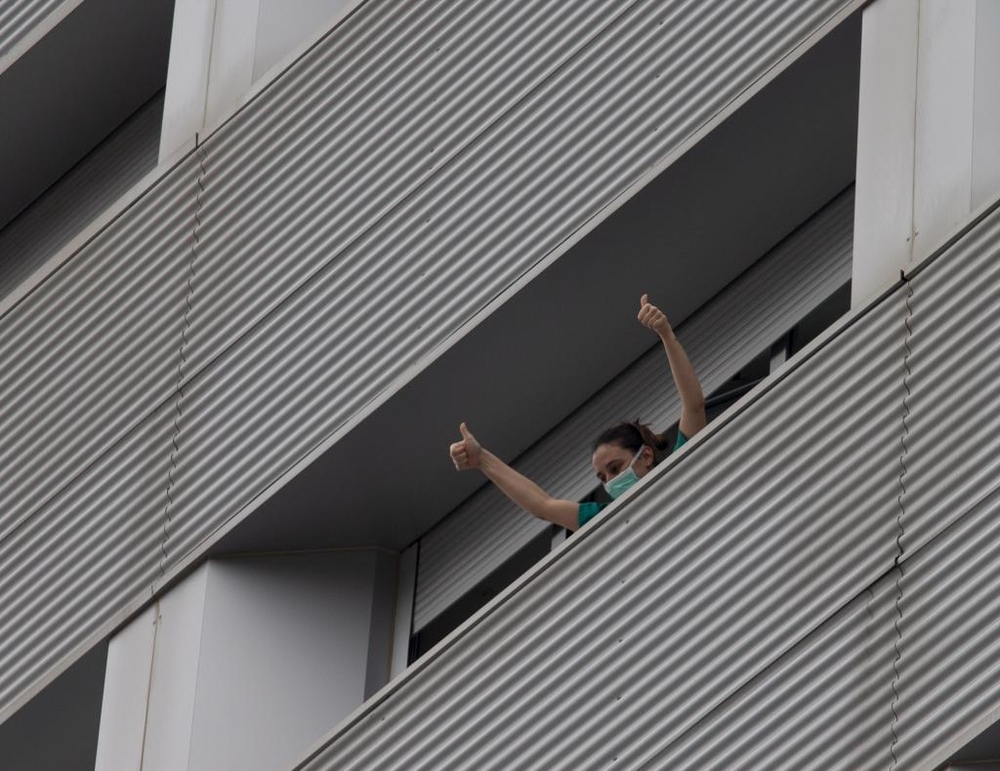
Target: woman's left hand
point(653, 318)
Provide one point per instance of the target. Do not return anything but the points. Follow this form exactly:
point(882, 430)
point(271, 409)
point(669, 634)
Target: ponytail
point(632, 436)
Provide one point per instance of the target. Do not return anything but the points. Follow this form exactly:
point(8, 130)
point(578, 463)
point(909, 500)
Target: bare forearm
point(688, 385)
point(526, 494)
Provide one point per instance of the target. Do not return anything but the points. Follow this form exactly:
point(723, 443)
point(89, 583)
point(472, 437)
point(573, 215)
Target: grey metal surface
point(497, 199)
point(88, 554)
point(19, 17)
point(723, 336)
point(82, 194)
point(826, 704)
point(823, 705)
point(954, 442)
point(645, 621)
point(622, 675)
point(93, 350)
point(116, 308)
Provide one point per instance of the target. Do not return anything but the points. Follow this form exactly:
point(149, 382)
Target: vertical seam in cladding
point(898, 564)
point(182, 359)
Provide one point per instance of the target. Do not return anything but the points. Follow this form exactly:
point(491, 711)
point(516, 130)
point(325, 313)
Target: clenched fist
point(468, 453)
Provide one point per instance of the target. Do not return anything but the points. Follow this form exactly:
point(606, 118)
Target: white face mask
point(619, 484)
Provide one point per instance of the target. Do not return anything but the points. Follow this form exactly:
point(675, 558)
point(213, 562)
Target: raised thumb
point(466, 434)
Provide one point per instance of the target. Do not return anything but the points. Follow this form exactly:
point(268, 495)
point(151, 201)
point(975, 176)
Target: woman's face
point(610, 460)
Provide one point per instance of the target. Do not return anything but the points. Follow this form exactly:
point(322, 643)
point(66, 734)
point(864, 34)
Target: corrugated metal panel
point(673, 601)
point(114, 359)
point(611, 657)
point(504, 199)
point(722, 337)
point(360, 123)
point(82, 558)
point(19, 17)
point(827, 704)
point(73, 202)
point(950, 666)
point(94, 349)
point(954, 442)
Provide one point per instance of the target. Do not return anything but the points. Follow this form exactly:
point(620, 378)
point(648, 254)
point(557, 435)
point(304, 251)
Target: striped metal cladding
point(85, 394)
point(827, 704)
point(86, 556)
point(489, 215)
point(86, 190)
point(94, 350)
point(359, 124)
point(829, 701)
point(722, 337)
point(954, 441)
point(672, 601)
point(19, 17)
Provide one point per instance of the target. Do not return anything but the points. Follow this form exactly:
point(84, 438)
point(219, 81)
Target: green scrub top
point(587, 511)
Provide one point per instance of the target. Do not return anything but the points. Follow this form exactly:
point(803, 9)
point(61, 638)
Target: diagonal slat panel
point(631, 97)
point(954, 437)
point(84, 559)
point(722, 337)
point(679, 596)
point(95, 349)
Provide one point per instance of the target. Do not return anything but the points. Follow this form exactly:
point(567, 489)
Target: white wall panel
point(942, 179)
point(126, 695)
point(283, 27)
point(173, 681)
point(284, 649)
point(986, 122)
point(883, 222)
point(233, 52)
point(187, 75)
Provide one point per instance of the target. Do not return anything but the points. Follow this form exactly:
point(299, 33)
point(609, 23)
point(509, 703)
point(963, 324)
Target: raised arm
point(468, 453)
point(693, 417)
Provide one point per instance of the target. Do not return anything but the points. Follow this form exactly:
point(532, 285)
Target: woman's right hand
point(468, 453)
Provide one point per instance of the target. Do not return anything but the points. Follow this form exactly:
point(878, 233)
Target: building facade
point(259, 260)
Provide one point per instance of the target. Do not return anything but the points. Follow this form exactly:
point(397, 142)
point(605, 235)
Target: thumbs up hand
point(467, 453)
point(653, 318)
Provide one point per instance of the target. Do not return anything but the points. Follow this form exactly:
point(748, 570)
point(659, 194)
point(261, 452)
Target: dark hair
point(632, 435)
